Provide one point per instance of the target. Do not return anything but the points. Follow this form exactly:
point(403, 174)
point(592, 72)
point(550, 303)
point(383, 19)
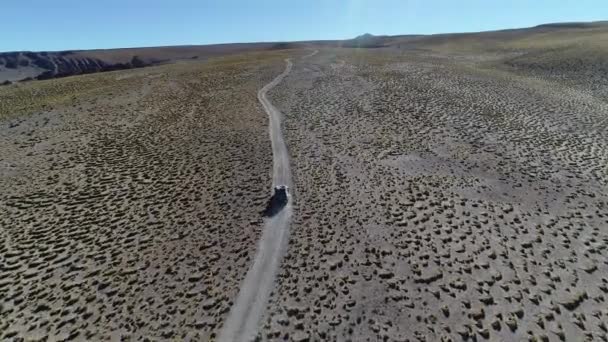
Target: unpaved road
point(247, 311)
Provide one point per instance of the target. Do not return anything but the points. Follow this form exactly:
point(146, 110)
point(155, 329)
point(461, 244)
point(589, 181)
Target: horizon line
point(312, 40)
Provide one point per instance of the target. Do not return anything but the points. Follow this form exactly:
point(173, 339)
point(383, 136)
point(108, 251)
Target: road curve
point(311, 54)
point(246, 313)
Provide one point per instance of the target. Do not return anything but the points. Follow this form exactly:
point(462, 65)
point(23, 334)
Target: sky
point(45, 25)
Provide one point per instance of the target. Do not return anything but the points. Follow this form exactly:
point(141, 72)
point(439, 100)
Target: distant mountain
point(366, 40)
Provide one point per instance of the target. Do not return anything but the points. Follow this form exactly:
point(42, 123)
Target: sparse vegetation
point(452, 187)
point(123, 206)
point(442, 195)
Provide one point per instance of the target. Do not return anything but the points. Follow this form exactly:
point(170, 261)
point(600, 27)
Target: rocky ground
point(442, 199)
point(131, 201)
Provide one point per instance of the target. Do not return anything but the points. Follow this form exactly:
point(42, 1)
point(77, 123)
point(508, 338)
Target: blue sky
point(86, 24)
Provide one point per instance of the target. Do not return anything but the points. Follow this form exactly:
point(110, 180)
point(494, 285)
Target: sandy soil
point(441, 199)
point(133, 211)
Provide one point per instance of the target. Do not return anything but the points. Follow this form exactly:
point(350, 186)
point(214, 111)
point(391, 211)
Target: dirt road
point(243, 320)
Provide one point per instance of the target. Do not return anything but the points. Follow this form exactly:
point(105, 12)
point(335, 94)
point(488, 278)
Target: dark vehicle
point(278, 200)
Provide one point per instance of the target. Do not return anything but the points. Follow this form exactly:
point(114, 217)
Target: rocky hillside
point(25, 65)
point(19, 66)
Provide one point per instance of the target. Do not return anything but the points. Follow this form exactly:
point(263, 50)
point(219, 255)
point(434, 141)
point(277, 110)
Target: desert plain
point(444, 188)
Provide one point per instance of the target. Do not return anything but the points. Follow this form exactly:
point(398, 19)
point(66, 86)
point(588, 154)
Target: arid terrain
point(443, 188)
point(131, 200)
